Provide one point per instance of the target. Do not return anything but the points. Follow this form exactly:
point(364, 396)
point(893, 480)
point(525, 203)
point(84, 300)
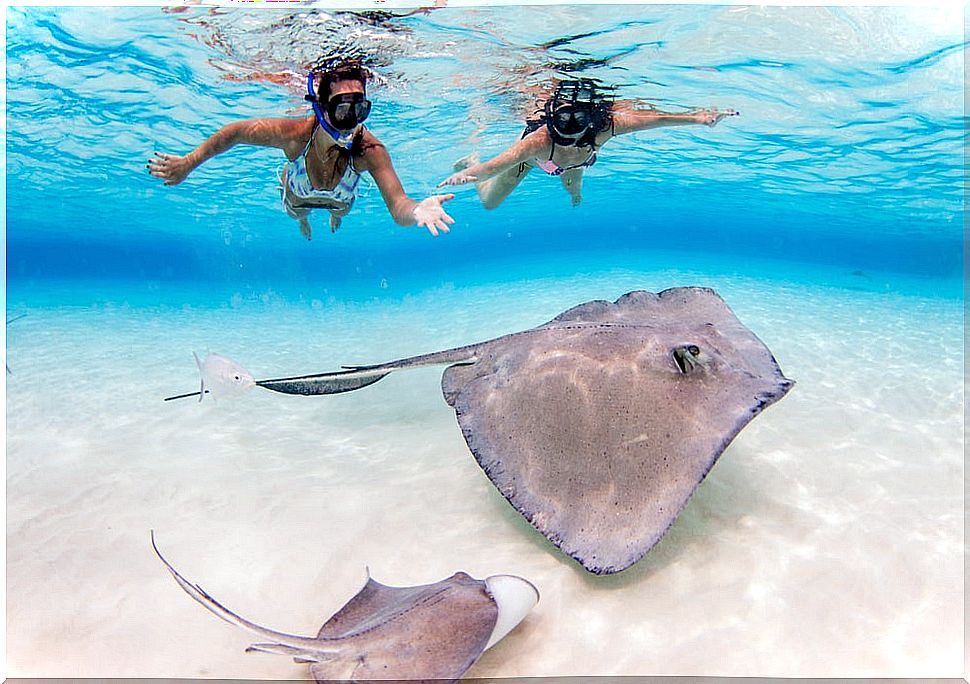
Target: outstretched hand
point(172, 168)
point(428, 213)
point(710, 117)
point(458, 178)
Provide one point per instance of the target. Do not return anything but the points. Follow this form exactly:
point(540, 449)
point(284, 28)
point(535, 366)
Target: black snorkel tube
point(341, 139)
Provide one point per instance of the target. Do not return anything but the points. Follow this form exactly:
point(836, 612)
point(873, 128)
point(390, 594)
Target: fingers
point(437, 225)
point(439, 222)
point(457, 180)
point(158, 166)
point(445, 198)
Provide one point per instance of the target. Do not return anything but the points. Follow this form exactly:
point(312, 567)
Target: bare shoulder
point(536, 142)
point(373, 154)
point(623, 115)
point(294, 134)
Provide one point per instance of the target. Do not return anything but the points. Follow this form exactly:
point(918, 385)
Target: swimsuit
point(553, 169)
point(548, 165)
point(299, 196)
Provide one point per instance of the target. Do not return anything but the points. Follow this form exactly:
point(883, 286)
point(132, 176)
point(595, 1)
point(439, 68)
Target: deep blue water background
point(848, 153)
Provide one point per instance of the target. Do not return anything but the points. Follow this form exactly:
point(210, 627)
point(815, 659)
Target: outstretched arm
point(524, 149)
point(627, 119)
point(428, 213)
point(281, 133)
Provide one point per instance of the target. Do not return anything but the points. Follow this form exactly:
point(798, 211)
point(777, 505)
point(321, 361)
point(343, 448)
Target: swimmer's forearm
point(633, 120)
point(639, 121)
point(513, 156)
point(263, 132)
point(403, 212)
point(224, 139)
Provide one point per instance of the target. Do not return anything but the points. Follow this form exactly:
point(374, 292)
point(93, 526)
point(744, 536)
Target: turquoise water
point(847, 151)
point(828, 539)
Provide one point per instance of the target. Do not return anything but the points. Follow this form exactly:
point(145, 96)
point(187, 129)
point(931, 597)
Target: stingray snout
point(515, 597)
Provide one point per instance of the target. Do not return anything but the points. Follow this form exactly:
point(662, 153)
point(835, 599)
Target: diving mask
point(346, 111)
point(571, 120)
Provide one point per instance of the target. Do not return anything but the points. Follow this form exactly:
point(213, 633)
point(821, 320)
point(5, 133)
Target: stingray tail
point(213, 606)
point(459, 355)
point(299, 655)
point(351, 378)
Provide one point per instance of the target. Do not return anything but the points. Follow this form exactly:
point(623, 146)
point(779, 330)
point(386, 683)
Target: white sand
point(827, 541)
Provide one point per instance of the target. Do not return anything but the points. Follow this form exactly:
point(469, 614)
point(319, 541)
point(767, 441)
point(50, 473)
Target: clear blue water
point(828, 539)
point(848, 151)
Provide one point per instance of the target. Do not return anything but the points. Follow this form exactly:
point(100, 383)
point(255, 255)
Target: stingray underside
point(596, 431)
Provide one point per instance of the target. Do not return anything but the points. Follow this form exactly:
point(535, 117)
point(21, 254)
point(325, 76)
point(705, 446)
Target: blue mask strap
point(314, 101)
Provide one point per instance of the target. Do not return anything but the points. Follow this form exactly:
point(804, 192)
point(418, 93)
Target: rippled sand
point(827, 541)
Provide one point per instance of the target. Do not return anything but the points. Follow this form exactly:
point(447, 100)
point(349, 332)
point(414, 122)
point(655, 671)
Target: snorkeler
point(327, 154)
point(565, 138)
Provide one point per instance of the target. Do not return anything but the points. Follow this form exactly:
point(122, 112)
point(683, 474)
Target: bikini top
point(553, 169)
point(548, 165)
point(301, 190)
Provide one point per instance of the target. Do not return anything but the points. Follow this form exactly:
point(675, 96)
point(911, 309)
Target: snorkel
point(344, 139)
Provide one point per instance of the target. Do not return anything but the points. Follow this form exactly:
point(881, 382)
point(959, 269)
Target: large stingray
point(433, 632)
point(599, 425)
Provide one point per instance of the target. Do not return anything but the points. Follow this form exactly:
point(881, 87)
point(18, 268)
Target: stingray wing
point(591, 429)
point(430, 632)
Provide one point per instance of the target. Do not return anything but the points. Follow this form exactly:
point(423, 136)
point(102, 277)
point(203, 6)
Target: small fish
point(222, 377)
point(321, 383)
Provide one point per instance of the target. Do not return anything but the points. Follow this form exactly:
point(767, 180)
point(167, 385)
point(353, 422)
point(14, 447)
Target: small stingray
point(428, 632)
point(599, 425)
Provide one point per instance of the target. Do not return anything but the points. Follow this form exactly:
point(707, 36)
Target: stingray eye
point(681, 360)
point(237, 377)
point(694, 350)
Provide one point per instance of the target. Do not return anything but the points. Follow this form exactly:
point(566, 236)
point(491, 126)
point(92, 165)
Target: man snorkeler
point(564, 140)
point(327, 154)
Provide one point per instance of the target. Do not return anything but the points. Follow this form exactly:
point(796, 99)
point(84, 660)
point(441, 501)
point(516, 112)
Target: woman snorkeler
point(327, 154)
point(575, 122)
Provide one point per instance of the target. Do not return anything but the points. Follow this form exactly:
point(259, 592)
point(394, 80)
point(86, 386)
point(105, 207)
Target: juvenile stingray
point(599, 425)
point(429, 632)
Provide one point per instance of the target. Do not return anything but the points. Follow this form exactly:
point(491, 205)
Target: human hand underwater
point(172, 168)
point(710, 117)
point(458, 178)
point(428, 213)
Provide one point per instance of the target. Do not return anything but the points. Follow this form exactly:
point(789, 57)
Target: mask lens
point(571, 120)
point(348, 110)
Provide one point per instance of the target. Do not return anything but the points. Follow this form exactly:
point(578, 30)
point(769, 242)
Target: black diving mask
point(348, 110)
point(571, 120)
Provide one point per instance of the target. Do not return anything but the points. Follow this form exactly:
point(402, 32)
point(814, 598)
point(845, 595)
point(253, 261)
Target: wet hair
point(348, 70)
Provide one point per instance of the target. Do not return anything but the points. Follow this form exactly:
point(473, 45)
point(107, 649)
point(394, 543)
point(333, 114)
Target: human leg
point(493, 191)
point(572, 182)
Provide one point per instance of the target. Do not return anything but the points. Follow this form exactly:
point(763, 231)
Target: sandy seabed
point(826, 541)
